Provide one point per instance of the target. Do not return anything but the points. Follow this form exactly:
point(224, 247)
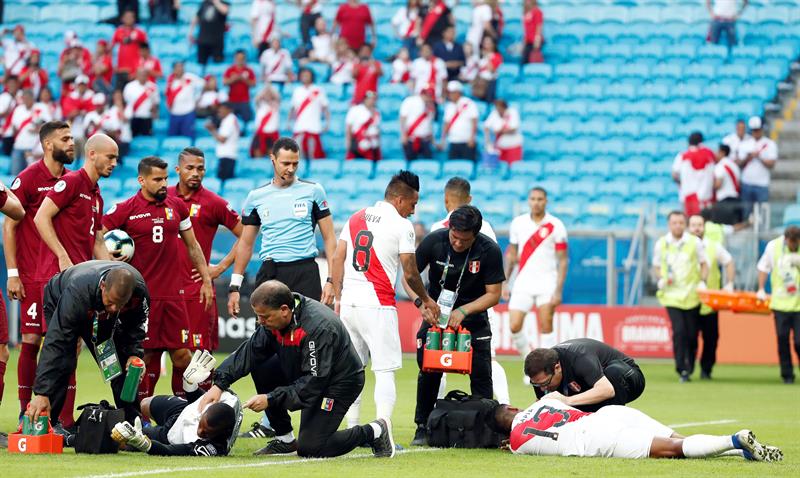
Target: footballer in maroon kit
point(11, 207)
point(21, 242)
point(157, 223)
point(207, 211)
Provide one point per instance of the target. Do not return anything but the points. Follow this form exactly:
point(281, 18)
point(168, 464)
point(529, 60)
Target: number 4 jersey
point(154, 228)
point(375, 237)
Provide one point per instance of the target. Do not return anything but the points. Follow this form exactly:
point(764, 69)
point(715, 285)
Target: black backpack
point(94, 428)
point(460, 421)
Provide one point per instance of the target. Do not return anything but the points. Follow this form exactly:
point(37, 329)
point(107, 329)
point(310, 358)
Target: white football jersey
point(184, 430)
point(486, 228)
point(536, 251)
point(375, 237)
point(548, 427)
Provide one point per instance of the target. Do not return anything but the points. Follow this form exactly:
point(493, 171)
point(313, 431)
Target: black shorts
point(462, 151)
point(165, 410)
point(300, 276)
point(206, 51)
point(226, 168)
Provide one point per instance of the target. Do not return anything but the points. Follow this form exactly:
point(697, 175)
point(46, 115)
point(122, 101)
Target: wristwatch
point(233, 288)
point(417, 302)
point(329, 280)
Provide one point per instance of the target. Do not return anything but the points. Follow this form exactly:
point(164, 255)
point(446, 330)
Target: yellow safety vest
point(714, 233)
point(785, 280)
point(714, 280)
point(679, 263)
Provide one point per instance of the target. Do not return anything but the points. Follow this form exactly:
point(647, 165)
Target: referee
point(286, 211)
point(469, 266)
point(585, 374)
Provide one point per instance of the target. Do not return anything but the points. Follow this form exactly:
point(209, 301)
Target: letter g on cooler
point(446, 360)
point(22, 444)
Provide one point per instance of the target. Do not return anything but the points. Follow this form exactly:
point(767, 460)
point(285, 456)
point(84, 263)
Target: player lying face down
point(551, 428)
point(182, 427)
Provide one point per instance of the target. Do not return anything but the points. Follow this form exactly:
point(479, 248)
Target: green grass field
point(750, 396)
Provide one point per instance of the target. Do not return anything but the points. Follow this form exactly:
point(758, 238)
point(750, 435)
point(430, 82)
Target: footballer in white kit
point(373, 242)
point(551, 428)
point(538, 244)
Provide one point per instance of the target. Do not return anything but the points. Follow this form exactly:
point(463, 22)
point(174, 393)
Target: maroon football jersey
point(30, 187)
point(77, 222)
point(207, 211)
point(154, 228)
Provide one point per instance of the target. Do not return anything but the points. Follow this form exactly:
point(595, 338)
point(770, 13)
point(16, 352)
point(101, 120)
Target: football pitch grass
point(738, 397)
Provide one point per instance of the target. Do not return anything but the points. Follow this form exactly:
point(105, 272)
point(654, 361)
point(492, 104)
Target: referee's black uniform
point(482, 265)
point(585, 361)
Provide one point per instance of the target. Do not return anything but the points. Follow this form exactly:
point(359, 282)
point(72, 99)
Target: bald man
point(68, 220)
point(101, 302)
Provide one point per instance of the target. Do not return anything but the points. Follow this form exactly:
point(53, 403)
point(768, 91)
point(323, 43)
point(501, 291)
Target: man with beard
point(207, 212)
point(157, 223)
point(21, 243)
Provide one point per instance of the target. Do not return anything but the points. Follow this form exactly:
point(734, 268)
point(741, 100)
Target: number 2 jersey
point(375, 237)
point(154, 228)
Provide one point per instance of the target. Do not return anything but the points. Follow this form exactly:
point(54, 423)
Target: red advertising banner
point(636, 331)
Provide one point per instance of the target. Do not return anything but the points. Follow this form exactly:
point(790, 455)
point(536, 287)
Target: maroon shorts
point(3, 322)
point(213, 327)
point(200, 321)
point(31, 310)
point(310, 145)
point(168, 325)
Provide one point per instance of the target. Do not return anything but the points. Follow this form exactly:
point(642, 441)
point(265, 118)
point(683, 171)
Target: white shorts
point(494, 325)
point(621, 432)
point(525, 301)
point(375, 336)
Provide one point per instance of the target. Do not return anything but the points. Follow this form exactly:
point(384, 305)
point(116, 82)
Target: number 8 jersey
point(154, 228)
point(375, 237)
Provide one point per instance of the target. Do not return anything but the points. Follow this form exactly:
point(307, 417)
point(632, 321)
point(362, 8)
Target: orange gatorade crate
point(737, 301)
point(34, 443)
point(445, 361)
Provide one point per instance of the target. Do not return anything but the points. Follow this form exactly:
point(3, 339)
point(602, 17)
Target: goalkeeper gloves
point(126, 434)
point(198, 370)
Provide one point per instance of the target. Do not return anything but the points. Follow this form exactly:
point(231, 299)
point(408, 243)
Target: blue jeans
point(753, 194)
point(181, 125)
point(718, 27)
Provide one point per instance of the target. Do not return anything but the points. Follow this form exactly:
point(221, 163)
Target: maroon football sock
point(177, 381)
point(26, 373)
point(66, 417)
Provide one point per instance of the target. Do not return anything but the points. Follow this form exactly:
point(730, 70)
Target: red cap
point(102, 41)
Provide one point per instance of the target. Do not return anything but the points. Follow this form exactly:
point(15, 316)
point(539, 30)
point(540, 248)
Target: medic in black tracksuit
point(310, 365)
point(72, 300)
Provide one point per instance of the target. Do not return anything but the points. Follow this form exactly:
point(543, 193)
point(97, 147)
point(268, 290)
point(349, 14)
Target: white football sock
point(442, 386)
point(548, 340)
point(288, 438)
point(385, 393)
point(354, 413)
point(376, 430)
point(701, 446)
point(500, 383)
point(521, 343)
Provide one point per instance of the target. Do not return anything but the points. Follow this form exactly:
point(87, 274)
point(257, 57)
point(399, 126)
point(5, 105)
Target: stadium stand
point(624, 83)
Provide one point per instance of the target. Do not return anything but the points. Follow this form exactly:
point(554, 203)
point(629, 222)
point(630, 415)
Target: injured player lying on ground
point(181, 427)
point(549, 427)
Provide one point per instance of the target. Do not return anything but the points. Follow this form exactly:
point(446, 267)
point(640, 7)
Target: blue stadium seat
point(553, 188)
point(587, 90)
point(654, 91)
point(700, 70)
point(554, 91)
point(624, 91)
point(669, 70)
point(324, 168)
point(602, 70)
point(529, 169)
point(597, 168)
point(674, 110)
point(426, 168)
point(645, 147)
point(544, 108)
point(561, 167)
point(640, 109)
point(482, 187)
point(557, 127)
point(687, 91)
point(586, 188)
point(617, 53)
point(720, 91)
point(537, 73)
point(570, 72)
point(611, 146)
point(239, 185)
point(584, 52)
point(213, 184)
point(458, 167)
point(576, 108)
point(610, 109)
point(357, 169)
point(791, 215)
point(591, 128)
point(754, 91)
point(389, 167)
point(634, 169)
point(567, 210)
point(578, 146)
point(625, 128)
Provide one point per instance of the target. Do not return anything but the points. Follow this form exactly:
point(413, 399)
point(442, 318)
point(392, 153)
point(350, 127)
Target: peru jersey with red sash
point(537, 245)
point(375, 237)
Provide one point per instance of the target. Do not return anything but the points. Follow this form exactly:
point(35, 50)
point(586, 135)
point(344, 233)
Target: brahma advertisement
point(641, 332)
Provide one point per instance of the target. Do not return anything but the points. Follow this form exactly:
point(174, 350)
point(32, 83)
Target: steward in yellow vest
point(716, 256)
point(679, 265)
point(781, 261)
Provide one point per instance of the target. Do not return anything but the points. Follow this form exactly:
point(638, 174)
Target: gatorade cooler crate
point(738, 301)
point(448, 362)
point(447, 351)
point(38, 439)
